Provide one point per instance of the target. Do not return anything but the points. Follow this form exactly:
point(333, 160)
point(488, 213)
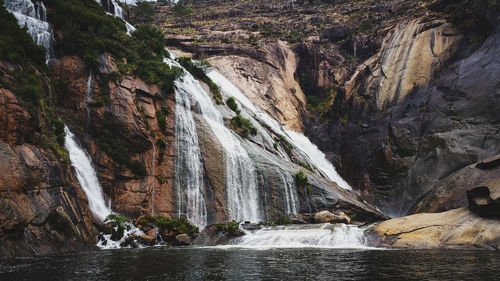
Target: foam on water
point(303, 236)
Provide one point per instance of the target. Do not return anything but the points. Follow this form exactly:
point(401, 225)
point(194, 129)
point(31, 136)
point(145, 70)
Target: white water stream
point(86, 175)
point(317, 157)
point(34, 17)
point(303, 236)
point(241, 182)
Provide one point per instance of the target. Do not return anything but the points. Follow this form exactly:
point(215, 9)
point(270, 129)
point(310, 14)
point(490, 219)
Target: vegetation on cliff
point(197, 69)
point(84, 29)
point(26, 78)
point(179, 226)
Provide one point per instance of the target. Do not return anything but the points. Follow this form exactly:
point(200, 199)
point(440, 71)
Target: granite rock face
point(130, 106)
point(404, 146)
point(42, 207)
point(456, 229)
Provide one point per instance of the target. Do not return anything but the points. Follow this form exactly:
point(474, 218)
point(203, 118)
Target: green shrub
point(84, 29)
point(181, 10)
point(16, 46)
point(144, 12)
point(282, 139)
point(284, 221)
point(162, 145)
point(302, 181)
point(230, 228)
point(118, 222)
point(161, 116)
point(243, 126)
point(306, 165)
point(61, 224)
point(180, 226)
point(231, 103)
point(110, 140)
point(161, 179)
point(198, 70)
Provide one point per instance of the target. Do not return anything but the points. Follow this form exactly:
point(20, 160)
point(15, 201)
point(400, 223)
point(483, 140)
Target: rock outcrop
point(457, 229)
point(440, 127)
point(42, 207)
point(271, 88)
point(128, 108)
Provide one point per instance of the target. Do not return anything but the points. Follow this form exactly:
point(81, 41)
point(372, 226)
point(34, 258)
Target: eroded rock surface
point(458, 229)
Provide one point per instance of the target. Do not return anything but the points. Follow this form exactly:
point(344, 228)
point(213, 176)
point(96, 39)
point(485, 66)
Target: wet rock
point(304, 218)
point(481, 203)
point(168, 234)
point(127, 242)
point(152, 232)
point(250, 226)
point(336, 217)
point(146, 240)
point(183, 239)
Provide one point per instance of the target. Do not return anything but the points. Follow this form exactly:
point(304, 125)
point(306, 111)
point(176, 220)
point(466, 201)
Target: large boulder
point(146, 240)
point(458, 228)
point(335, 217)
point(183, 239)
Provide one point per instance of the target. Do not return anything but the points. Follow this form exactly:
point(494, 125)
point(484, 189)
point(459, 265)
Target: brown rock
point(146, 240)
point(336, 217)
point(106, 63)
point(14, 119)
point(152, 232)
point(168, 234)
point(183, 239)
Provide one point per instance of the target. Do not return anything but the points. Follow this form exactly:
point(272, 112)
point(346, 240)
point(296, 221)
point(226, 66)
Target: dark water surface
point(162, 263)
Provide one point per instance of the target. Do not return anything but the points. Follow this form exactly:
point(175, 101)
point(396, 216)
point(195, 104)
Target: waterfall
point(304, 236)
point(298, 140)
point(189, 181)
point(317, 157)
point(86, 175)
point(88, 96)
point(33, 16)
point(290, 191)
point(241, 182)
point(153, 168)
point(112, 8)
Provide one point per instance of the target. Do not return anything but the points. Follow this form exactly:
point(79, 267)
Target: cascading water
point(88, 96)
point(87, 178)
point(241, 182)
point(153, 170)
point(112, 8)
point(86, 175)
point(304, 236)
point(188, 161)
point(291, 198)
point(34, 17)
point(317, 157)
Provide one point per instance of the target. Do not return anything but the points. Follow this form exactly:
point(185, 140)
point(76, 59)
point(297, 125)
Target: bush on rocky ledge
point(197, 69)
point(243, 126)
point(179, 226)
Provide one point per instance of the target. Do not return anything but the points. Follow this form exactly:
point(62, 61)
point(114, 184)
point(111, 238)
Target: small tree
point(144, 12)
point(181, 10)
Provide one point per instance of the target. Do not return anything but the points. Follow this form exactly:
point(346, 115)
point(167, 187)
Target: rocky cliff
point(393, 90)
